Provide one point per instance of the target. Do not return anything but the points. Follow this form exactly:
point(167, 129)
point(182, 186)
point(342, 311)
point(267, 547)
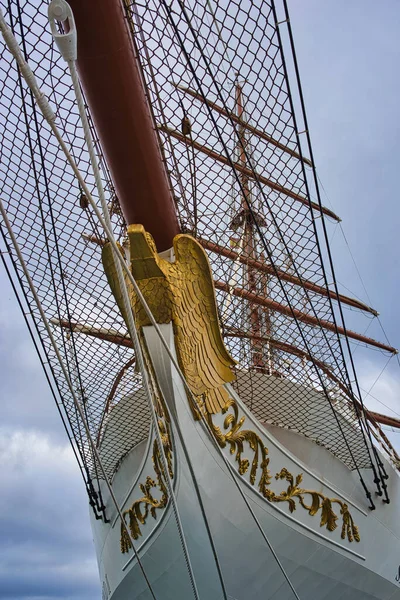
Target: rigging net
point(216, 77)
point(230, 144)
point(53, 222)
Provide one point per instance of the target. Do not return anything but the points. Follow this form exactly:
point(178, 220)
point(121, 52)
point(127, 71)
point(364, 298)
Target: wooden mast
point(257, 359)
point(111, 79)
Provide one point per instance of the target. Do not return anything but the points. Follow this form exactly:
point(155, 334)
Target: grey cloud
point(348, 53)
point(25, 395)
point(46, 544)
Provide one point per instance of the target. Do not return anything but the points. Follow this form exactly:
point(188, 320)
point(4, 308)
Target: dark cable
point(381, 479)
point(58, 254)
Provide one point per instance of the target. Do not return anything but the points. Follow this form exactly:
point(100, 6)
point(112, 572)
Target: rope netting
point(54, 228)
point(222, 107)
point(217, 82)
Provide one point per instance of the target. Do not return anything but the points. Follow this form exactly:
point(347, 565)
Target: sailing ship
point(168, 246)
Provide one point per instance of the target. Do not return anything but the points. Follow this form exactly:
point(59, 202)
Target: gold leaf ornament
point(139, 510)
point(137, 514)
point(181, 292)
point(235, 437)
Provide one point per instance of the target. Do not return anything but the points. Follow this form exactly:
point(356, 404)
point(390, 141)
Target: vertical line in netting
point(362, 422)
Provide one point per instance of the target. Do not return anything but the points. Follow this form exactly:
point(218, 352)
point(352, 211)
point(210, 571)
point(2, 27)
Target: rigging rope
point(36, 346)
point(377, 316)
point(47, 112)
point(50, 118)
point(362, 421)
point(40, 203)
point(378, 377)
point(381, 476)
point(380, 402)
point(65, 371)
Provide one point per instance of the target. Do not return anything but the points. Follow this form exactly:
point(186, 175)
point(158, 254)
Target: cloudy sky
point(349, 54)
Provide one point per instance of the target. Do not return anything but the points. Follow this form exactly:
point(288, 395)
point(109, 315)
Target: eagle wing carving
point(182, 292)
point(204, 358)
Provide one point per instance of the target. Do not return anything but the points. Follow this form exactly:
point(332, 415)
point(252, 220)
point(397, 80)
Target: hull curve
point(321, 564)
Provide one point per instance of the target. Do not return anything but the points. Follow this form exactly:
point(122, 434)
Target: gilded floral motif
point(235, 436)
point(137, 514)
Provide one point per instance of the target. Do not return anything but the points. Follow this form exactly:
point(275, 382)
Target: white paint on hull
point(319, 563)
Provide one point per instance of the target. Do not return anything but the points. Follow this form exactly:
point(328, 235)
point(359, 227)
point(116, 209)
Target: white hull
point(319, 563)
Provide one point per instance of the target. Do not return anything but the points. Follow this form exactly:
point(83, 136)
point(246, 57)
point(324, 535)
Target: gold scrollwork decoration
point(318, 502)
point(235, 436)
point(137, 514)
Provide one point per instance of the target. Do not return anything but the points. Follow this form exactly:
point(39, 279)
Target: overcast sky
point(349, 56)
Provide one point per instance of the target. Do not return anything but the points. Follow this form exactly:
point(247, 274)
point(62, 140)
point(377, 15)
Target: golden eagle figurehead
point(182, 292)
